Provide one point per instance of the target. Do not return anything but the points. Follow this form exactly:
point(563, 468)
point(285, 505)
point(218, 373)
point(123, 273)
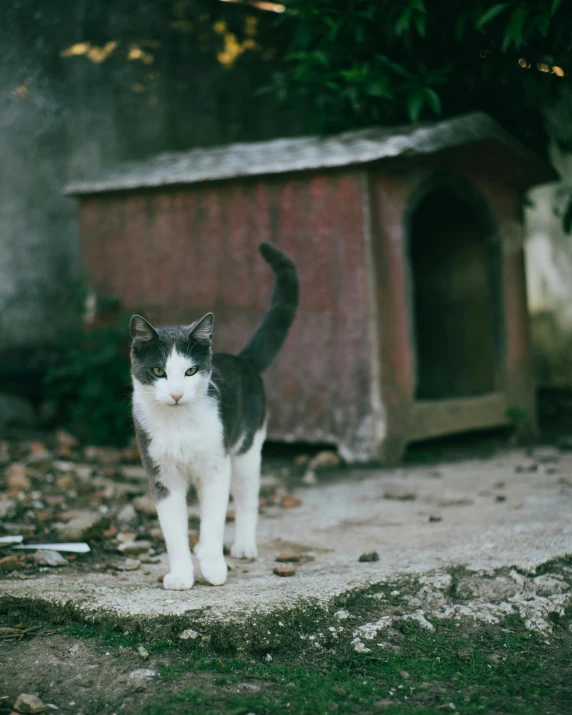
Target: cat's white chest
point(184, 436)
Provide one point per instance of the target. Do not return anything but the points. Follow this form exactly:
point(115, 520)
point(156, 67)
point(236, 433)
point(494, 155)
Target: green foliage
point(89, 385)
point(384, 62)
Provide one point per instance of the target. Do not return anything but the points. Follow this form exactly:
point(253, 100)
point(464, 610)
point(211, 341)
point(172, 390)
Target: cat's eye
point(191, 371)
point(159, 372)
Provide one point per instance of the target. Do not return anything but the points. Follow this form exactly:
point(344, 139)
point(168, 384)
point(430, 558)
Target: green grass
point(487, 670)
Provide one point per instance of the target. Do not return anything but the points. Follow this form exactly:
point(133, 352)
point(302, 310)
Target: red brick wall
point(174, 254)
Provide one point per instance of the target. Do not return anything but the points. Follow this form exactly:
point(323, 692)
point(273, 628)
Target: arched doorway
point(455, 285)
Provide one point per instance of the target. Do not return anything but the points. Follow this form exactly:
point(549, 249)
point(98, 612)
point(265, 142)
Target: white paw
point(241, 550)
point(178, 580)
point(213, 568)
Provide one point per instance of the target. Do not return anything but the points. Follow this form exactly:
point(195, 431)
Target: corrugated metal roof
point(304, 153)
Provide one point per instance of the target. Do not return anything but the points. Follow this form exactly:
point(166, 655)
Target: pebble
point(289, 558)
point(465, 654)
point(284, 571)
point(132, 548)
point(7, 508)
point(49, 558)
point(141, 676)
point(65, 439)
point(86, 525)
point(145, 505)
point(189, 634)
point(127, 515)
point(17, 477)
point(289, 502)
point(134, 473)
point(367, 558)
point(131, 564)
point(29, 704)
point(310, 479)
point(323, 460)
point(142, 652)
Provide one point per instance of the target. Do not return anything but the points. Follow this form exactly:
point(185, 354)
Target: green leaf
point(513, 34)
point(490, 14)
point(555, 5)
point(420, 23)
point(402, 25)
point(460, 27)
point(433, 100)
point(415, 102)
point(379, 88)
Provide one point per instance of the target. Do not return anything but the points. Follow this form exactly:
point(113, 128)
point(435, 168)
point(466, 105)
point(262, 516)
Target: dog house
point(413, 318)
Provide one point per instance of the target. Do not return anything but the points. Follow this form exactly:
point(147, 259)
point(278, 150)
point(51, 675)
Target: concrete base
point(509, 511)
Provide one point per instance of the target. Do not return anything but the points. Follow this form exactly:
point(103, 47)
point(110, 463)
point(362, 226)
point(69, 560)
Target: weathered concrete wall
point(549, 277)
point(86, 84)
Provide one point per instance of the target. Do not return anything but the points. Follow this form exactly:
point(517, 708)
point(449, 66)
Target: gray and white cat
point(201, 418)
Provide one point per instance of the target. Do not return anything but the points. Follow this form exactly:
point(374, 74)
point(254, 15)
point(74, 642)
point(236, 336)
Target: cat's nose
point(176, 397)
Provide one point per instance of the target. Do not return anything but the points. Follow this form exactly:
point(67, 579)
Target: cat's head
point(171, 366)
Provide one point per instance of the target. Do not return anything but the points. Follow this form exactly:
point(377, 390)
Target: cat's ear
point(203, 330)
point(140, 329)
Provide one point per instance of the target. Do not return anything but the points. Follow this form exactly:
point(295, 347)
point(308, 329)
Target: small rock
point(17, 477)
point(142, 652)
point(268, 658)
point(367, 558)
point(110, 532)
point(7, 508)
point(289, 502)
point(465, 654)
point(131, 564)
point(301, 459)
point(142, 675)
point(127, 515)
point(230, 517)
point(65, 439)
point(405, 675)
point(134, 473)
point(289, 558)
point(323, 460)
point(105, 455)
point(434, 518)
point(145, 505)
point(499, 485)
point(83, 527)
point(284, 571)
point(132, 548)
point(189, 634)
point(125, 536)
point(49, 558)
point(156, 532)
point(29, 704)
point(310, 479)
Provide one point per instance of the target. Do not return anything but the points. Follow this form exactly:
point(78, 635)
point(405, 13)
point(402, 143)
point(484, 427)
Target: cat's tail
point(270, 336)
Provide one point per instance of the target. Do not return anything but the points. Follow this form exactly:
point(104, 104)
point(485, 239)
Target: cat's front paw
point(178, 580)
point(213, 568)
point(240, 550)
